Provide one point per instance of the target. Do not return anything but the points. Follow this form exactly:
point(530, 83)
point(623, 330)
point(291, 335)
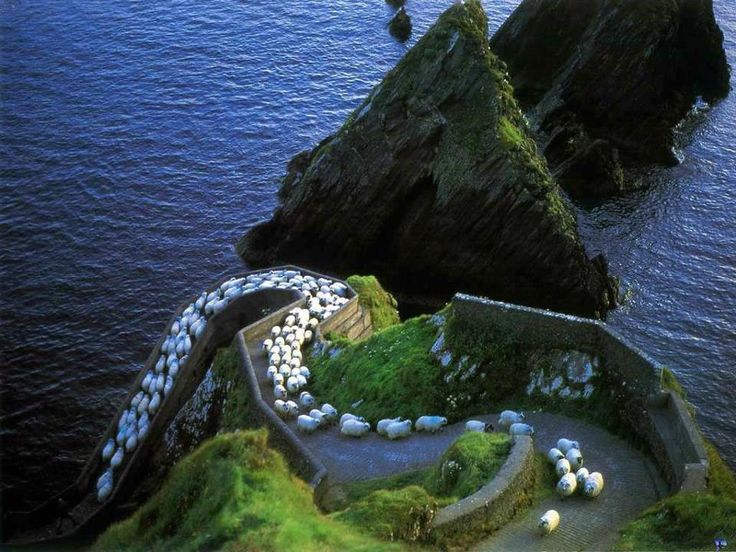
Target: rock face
point(607, 80)
point(400, 25)
point(435, 185)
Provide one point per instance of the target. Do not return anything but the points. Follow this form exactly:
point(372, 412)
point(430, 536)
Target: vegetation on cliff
point(235, 493)
point(381, 304)
point(435, 184)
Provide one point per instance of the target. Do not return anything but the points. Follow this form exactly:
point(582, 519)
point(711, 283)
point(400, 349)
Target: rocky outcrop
point(607, 80)
point(435, 185)
point(400, 25)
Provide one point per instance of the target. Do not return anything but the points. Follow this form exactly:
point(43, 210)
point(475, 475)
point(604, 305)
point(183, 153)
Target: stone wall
point(494, 504)
point(352, 321)
point(657, 418)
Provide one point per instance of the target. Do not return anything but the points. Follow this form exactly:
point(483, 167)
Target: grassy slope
point(381, 304)
point(234, 493)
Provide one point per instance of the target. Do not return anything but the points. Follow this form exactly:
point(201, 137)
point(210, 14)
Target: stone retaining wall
point(494, 504)
point(657, 417)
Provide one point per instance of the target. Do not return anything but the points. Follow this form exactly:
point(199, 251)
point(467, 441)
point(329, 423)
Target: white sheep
point(548, 522)
point(320, 416)
point(575, 458)
point(274, 359)
point(279, 341)
point(292, 384)
point(347, 416)
point(566, 444)
point(593, 485)
point(295, 363)
point(301, 380)
point(275, 332)
point(355, 428)
point(521, 429)
point(330, 412)
point(278, 379)
point(117, 458)
point(383, 424)
point(306, 399)
point(267, 344)
point(478, 426)
point(284, 370)
point(430, 423)
point(398, 430)
point(581, 475)
point(304, 371)
point(280, 407)
point(292, 409)
point(279, 391)
point(554, 455)
point(562, 467)
point(109, 449)
point(566, 485)
point(509, 417)
point(306, 424)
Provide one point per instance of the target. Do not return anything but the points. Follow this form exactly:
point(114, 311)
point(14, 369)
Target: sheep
point(317, 414)
point(161, 364)
point(548, 522)
point(301, 381)
point(566, 485)
point(292, 384)
point(581, 475)
point(108, 450)
point(593, 485)
point(280, 407)
point(290, 320)
point(292, 409)
point(478, 426)
point(521, 429)
point(565, 444)
point(295, 372)
point(382, 425)
point(155, 403)
point(308, 334)
point(284, 370)
point(278, 379)
point(174, 369)
point(304, 371)
point(131, 442)
point(275, 332)
point(562, 467)
point(330, 412)
point(279, 341)
point(143, 405)
point(430, 423)
point(347, 416)
point(295, 363)
point(279, 391)
point(575, 458)
point(355, 428)
point(274, 359)
point(271, 371)
point(509, 417)
point(306, 424)
point(554, 455)
point(169, 385)
point(267, 344)
point(306, 399)
point(398, 430)
point(117, 458)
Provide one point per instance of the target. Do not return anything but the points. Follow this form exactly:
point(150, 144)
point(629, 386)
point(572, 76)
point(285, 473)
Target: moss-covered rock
point(608, 81)
point(435, 184)
point(400, 25)
point(379, 302)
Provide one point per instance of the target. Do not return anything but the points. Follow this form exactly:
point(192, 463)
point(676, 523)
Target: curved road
point(632, 481)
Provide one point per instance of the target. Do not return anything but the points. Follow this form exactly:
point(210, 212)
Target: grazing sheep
point(509, 417)
point(330, 412)
point(347, 416)
point(575, 458)
point(398, 430)
point(355, 428)
point(593, 485)
point(382, 425)
point(566, 444)
point(320, 416)
point(581, 475)
point(306, 424)
point(562, 467)
point(432, 424)
point(279, 391)
point(306, 399)
point(478, 426)
point(521, 429)
point(566, 485)
point(554, 455)
point(548, 522)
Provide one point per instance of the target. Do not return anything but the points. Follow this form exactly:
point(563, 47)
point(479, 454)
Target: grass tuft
point(381, 304)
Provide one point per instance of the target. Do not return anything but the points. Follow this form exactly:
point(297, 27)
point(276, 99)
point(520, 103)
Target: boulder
point(617, 75)
point(400, 25)
point(435, 185)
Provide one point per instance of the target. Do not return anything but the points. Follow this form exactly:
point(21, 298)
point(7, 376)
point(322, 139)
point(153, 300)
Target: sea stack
point(400, 25)
point(435, 185)
point(606, 81)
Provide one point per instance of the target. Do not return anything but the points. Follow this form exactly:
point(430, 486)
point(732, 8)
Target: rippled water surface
point(140, 139)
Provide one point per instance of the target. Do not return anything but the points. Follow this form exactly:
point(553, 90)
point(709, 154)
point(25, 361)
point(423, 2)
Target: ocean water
point(139, 140)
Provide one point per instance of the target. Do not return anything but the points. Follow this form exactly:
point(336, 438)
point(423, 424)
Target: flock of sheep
point(568, 464)
point(324, 297)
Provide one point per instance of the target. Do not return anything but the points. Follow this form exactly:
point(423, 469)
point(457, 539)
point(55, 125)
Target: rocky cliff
point(607, 80)
point(435, 185)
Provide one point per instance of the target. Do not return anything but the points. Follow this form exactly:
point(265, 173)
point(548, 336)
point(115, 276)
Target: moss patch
point(721, 480)
point(392, 372)
point(380, 303)
point(686, 521)
point(234, 493)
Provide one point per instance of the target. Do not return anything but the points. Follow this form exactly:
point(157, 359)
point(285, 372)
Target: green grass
point(236, 412)
point(393, 372)
point(721, 480)
point(234, 493)
point(685, 521)
point(381, 304)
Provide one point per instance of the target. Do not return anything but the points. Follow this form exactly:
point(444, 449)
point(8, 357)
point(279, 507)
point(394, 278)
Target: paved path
point(632, 481)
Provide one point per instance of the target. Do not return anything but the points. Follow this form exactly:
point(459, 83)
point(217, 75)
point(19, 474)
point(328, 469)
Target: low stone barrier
point(658, 418)
point(494, 504)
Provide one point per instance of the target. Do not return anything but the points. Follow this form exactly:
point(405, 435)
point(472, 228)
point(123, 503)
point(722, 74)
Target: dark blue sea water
point(140, 139)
